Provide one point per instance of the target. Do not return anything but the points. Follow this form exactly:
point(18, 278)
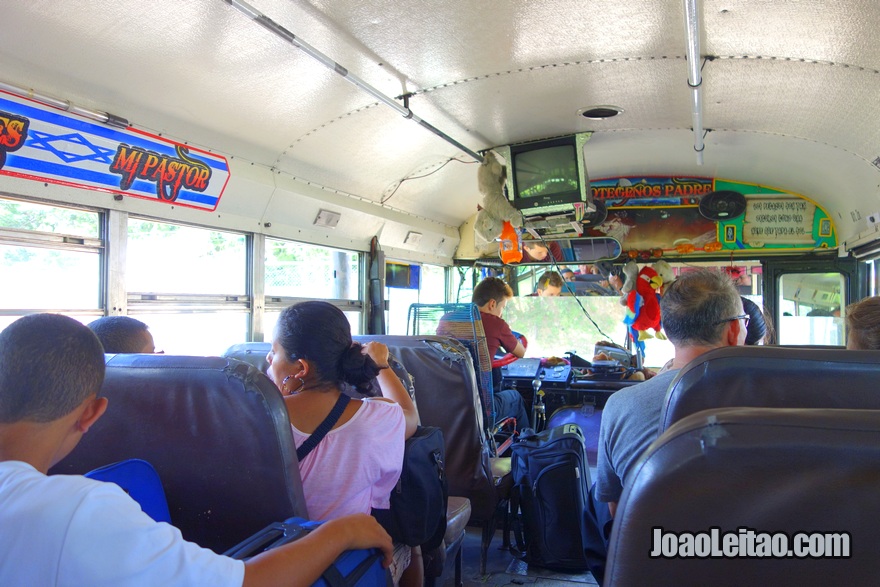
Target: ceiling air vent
point(600, 112)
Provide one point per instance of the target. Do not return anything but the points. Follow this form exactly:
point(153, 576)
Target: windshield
point(553, 326)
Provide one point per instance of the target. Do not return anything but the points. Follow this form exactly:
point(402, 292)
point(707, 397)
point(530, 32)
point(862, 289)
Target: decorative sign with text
point(44, 144)
point(778, 220)
point(655, 217)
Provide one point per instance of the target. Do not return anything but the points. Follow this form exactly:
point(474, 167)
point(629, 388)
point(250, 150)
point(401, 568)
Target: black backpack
point(418, 503)
point(551, 488)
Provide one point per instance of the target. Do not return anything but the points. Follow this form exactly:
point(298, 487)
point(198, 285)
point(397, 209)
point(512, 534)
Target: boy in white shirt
point(69, 530)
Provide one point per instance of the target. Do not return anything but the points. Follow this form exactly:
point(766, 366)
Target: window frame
point(17, 237)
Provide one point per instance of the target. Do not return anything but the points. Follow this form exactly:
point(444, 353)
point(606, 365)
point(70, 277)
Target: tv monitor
point(548, 176)
point(402, 275)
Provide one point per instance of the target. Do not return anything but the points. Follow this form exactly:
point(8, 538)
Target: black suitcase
point(551, 488)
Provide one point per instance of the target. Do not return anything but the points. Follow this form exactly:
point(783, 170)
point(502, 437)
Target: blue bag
point(361, 568)
point(140, 480)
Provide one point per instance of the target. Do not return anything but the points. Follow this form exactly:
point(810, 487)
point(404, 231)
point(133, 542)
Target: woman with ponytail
point(357, 463)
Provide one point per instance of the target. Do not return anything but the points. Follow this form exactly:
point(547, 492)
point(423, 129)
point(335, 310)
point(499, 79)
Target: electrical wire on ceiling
point(432, 172)
point(403, 109)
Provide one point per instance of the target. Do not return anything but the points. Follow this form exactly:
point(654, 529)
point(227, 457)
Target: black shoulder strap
point(323, 428)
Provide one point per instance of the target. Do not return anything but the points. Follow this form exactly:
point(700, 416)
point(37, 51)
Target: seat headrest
point(760, 469)
point(780, 377)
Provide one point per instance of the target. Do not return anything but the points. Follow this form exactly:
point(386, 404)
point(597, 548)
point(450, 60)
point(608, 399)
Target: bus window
point(463, 280)
point(810, 310)
point(874, 285)
point(270, 318)
point(298, 271)
point(554, 326)
point(188, 285)
point(431, 290)
point(50, 261)
point(183, 259)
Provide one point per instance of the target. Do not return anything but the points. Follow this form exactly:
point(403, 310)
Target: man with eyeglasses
point(701, 311)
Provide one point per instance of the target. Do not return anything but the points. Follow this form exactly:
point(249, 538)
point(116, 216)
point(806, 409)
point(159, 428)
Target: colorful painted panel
point(45, 144)
point(660, 216)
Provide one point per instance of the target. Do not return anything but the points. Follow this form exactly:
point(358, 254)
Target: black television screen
point(402, 276)
point(546, 176)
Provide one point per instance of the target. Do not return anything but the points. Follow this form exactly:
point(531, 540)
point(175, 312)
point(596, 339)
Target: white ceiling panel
point(787, 80)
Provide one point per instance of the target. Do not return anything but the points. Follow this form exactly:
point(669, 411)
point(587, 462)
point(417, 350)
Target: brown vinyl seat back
point(445, 386)
point(765, 469)
point(774, 377)
point(464, 323)
point(218, 434)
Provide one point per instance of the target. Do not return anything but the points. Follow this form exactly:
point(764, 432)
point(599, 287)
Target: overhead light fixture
point(600, 112)
point(327, 219)
point(413, 239)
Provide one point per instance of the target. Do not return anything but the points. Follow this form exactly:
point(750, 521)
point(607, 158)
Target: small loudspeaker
point(723, 205)
point(596, 218)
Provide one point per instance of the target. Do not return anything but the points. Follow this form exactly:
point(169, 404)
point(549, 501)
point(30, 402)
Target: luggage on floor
point(551, 488)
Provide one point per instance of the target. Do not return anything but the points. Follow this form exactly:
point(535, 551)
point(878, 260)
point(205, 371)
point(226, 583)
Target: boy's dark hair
point(550, 278)
point(320, 332)
point(696, 306)
point(491, 288)
point(119, 334)
point(49, 364)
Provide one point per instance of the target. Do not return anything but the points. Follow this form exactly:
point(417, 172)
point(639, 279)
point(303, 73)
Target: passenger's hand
point(376, 351)
point(363, 531)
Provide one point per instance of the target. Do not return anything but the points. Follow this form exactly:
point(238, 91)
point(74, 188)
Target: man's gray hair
point(696, 306)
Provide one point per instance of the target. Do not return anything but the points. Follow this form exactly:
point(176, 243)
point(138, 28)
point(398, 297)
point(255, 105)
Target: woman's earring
point(302, 384)
point(297, 390)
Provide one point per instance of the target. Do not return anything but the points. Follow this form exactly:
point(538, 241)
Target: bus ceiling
point(776, 97)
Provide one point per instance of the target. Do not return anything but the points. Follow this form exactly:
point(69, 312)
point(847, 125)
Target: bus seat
point(458, 508)
point(445, 386)
point(770, 377)
point(216, 431)
point(461, 322)
point(252, 353)
point(761, 469)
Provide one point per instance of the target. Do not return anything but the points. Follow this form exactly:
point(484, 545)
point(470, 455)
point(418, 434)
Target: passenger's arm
point(391, 386)
point(511, 342)
point(612, 507)
point(302, 562)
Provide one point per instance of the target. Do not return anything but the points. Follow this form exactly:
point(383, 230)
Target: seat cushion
point(458, 512)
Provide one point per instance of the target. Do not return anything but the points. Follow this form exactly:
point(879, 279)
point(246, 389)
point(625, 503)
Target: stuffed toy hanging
point(495, 210)
point(643, 308)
